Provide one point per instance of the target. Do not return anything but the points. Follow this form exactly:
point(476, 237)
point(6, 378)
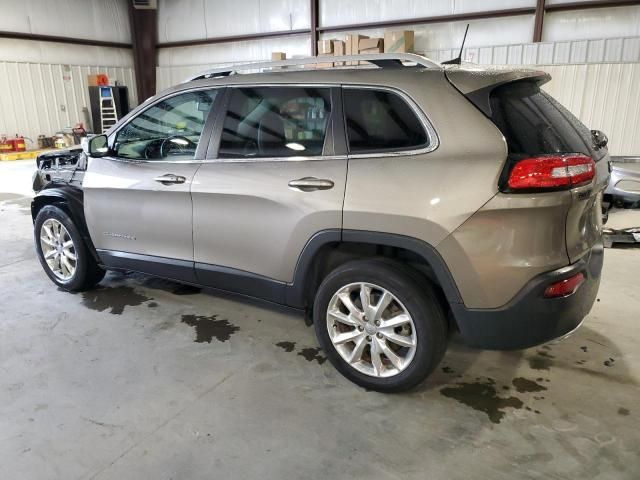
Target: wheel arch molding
point(71, 200)
point(316, 260)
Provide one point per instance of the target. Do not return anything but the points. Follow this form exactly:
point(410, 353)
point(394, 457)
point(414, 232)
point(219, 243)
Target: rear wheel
point(62, 251)
point(380, 324)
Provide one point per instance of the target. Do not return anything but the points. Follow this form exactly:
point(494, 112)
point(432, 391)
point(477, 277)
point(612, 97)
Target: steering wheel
point(178, 144)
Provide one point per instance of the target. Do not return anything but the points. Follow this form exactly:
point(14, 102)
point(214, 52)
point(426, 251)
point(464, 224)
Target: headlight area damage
point(60, 167)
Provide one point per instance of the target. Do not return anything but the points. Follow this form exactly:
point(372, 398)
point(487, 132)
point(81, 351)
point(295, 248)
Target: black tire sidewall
point(417, 297)
point(79, 280)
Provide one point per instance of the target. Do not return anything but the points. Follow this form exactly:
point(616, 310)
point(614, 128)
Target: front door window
point(170, 129)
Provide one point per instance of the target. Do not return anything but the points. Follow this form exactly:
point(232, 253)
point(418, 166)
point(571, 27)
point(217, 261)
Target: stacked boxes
point(398, 42)
point(371, 45)
point(338, 51)
point(352, 45)
point(356, 44)
point(325, 49)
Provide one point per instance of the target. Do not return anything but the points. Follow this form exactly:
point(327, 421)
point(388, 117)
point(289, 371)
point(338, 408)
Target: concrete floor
point(144, 378)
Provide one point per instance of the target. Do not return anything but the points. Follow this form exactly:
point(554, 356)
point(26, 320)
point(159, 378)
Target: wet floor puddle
point(114, 299)
point(482, 396)
point(310, 354)
point(209, 327)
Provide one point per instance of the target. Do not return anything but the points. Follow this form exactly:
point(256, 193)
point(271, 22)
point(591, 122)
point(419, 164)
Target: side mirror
point(600, 140)
point(96, 146)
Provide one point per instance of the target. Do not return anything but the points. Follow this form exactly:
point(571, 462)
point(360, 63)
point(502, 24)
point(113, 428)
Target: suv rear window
point(534, 123)
point(379, 121)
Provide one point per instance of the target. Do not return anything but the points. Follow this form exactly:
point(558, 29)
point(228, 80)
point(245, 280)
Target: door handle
point(309, 184)
point(170, 179)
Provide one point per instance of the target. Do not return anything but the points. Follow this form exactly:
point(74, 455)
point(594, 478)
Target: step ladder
point(108, 113)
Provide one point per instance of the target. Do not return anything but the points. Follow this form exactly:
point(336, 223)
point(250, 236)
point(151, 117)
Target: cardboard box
point(98, 80)
point(368, 46)
point(398, 42)
point(351, 45)
point(277, 56)
point(338, 51)
point(327, 64)
point(325, 47)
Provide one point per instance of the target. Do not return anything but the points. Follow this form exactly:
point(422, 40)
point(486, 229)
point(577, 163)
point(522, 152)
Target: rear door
point(270, 185)
point(137, 200)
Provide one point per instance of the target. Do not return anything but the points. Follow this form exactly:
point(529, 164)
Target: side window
point(169, 129)
point(275, 122)
point(379, 120)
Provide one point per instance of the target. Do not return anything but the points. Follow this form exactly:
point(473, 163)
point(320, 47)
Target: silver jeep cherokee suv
point(393, 201)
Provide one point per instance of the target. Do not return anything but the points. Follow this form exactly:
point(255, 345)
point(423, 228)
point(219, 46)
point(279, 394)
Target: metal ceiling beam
point(538, 21)
point(457, 17)
point(588, 5)
point(313, 21)
point(68, 40)
point(144, 34)
point(234, 38)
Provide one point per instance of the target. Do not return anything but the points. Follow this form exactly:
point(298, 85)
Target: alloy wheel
point(58, 249)
point(371, 329)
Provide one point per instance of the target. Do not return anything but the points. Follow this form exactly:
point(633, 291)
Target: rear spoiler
point(476, 83)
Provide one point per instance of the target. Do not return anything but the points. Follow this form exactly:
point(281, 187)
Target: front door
point(137, 200)
point(274, 182)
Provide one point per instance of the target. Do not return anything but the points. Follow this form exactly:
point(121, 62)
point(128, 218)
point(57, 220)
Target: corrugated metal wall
point(601, 50)
point(604, 97)
point(43, 85)
point(39, 98)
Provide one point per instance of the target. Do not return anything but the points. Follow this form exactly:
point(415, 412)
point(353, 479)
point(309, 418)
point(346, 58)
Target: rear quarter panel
point(428, 196)
point(584, 219)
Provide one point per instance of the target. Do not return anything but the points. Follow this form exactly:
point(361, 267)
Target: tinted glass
point(379, 120)
point(275, 122)
point(534, 123)
point(170, 129)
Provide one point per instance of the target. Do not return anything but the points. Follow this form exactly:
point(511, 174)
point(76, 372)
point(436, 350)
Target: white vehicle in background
point(623, 190)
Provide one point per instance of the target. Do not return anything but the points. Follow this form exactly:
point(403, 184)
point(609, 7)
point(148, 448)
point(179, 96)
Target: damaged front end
point(61, 167)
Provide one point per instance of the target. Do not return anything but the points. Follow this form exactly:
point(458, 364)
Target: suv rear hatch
point(540, 131)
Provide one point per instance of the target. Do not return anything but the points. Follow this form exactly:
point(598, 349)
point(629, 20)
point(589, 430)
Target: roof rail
point(382, 60)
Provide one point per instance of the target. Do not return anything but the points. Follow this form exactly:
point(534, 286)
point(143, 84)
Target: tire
point(53, 230)
point(423, 339)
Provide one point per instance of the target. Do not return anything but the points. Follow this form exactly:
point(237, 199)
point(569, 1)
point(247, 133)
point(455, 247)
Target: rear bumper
point(530, 319)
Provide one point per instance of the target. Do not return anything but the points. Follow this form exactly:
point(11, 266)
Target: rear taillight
point(565, 287)
point(552, 172)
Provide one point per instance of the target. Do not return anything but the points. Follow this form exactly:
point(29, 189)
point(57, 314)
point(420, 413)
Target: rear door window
point(265, 122)
point(380, 120)
point(534, 123)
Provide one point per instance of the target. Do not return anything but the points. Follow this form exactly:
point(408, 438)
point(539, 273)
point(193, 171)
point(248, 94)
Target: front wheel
point(62, 251)
point(380, 324)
